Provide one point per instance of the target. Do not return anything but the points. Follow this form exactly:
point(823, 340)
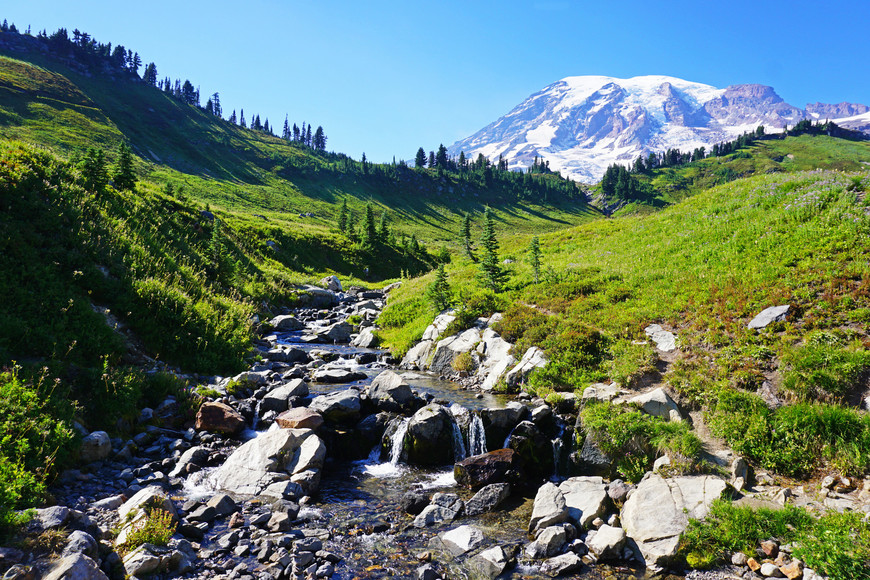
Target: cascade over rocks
point(498, 423)
point(430, 436)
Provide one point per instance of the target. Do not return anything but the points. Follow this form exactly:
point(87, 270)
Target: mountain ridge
point(583, 124)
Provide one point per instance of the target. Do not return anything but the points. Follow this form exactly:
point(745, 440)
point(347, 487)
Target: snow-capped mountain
point(581, 125)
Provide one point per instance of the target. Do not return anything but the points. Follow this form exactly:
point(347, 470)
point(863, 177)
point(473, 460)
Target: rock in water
point(219, 418)
point(658, 512)
point(549, 508)
point(586, 499)
point(390, 392)
point(430, 436)
point(272, 457)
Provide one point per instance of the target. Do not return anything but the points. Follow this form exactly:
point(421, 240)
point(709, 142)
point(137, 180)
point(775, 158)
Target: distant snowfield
point(583, 124)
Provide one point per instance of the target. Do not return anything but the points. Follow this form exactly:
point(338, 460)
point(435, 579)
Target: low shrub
point(463, 362)
point(824, 369)
point(157, 528)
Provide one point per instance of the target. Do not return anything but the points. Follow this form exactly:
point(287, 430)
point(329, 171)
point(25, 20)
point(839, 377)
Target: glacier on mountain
point(583, 124)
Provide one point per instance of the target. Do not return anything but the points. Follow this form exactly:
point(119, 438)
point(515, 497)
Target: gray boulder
point(489, 563)
point(76, 567)
point(287, 354)
point(314, 297)
point(95, 447)
point(659, 404)
point(449, 348)
point(487, 499)
point(80, 542)
point(278, 399)
point(665, 341)
point(549, 542)
point(498, 423)
point(335, 333)
point(331, 283)
point(606, 542)
point(390, 392)
point(286, 323)
point(495, 357)
point(445, 507)
point(461, 540)
point(769, 316)
point(532, 359)
point(658, 512)
point(366, 338)
point(337, 376)
point(562, 565)
point(418, 355)
point(338, 407)
point(430, 436)
point(272, 457)
point(549, 508)
point(586, 499)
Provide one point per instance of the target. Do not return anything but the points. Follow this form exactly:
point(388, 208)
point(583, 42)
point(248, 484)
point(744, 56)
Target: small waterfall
point(256, 418)
point(459, 451)
point(476, 436)
point(507, 440)
point(398, 440)
point(558, 444)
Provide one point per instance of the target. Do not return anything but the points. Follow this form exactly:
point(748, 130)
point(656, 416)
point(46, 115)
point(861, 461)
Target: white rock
point(549, 508)
point(665, 341)
point(463, 539)
point(533, 358)
point(586, 499)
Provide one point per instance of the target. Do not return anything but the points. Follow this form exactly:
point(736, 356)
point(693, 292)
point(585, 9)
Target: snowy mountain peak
point(583, 124)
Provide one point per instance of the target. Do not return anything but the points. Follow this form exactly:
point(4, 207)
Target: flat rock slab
point(462, 540)
point(658, 512)
point(665, 341)
point(549, 508)
point(337, 376)
point(769, 316)
point(586, 499)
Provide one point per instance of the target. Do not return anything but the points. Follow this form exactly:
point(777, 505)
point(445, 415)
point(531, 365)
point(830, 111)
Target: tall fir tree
point(370, 231)
point(535, 257)
point(438, 291)
point(343, 218)
point(124, 175)
point(95, 174)
point(466, 238)
point(491, 273)
point(420, 159)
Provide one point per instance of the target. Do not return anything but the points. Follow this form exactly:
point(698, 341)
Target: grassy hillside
point(705, 267)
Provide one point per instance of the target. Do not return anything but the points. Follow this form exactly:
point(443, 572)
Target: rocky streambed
point(328, 459)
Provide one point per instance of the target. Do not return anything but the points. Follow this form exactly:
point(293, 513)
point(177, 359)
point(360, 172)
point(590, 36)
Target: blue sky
point(386, 77)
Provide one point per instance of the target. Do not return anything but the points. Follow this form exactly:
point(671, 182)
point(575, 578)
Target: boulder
point(549, 542)
point(418, 355)
point(534, 449)
point(331, 283)
point(591, 460)
point(533, 358)
point(445, 507)
point(314, 297)
point(80, 542)
point(498, 423)
point(665, 341)
point(287, 354)
point(495, 357)
point(278, 399)
point(272, 457)
point(391, 393)
point(195, 456)
point(769, 316)
point(366, 338)
point(95, 447)
point(562, 565)
point(335, 333)
point(549, 508)
point(338, 407)
point(601, 391)
point(219, 418)
point(461, 540)
point(299, 418)
point(137, 509)
point(586, 499)
point(337, 376)
point(658, 512)
point(658, 403)
point(489, 563)
point(489, 468)
point(606, 543)
point(76, 567)
point(141, 561)
point(449, 348)
point(286, 323)
point(487, 499)
point(430, 436)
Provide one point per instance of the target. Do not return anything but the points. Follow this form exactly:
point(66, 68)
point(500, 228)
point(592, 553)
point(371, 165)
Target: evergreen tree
point(209, 107)
point(242, 120)
point(384, 228)
point(95, 175)
point(462, 160)
point(285, 133)
point(319, 139)
point(365, 168)
point(420, 159)
point(466, 238)
point(123, 175)
point(188, 93)
point(233, 119)
point(216, 103)
point(370, 232)
point(308, 136)
point(491, 274)
point(431, 159)
point(150, 74)
point(343, 218)
point(535, 257)
point(438, 291)
point(441, 157)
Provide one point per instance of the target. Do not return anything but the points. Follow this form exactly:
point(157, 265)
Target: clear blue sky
point(386, 77)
